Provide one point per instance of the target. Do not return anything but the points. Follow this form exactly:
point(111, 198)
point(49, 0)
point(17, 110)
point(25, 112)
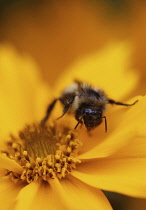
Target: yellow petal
point(130, 127)
point(125, 176)
point(77, 195)
point(11, 165)
point(105, 69)
point(26, 196)
point(8, 193)
point(38, 196)
point(20, 91)
point(133, 149)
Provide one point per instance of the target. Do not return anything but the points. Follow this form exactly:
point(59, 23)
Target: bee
point(86, 103)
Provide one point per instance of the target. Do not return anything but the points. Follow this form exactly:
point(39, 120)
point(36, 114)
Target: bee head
point(92, 117)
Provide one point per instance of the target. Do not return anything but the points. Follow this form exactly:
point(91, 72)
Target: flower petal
point(76, 195)
point(20, 89)
point(125, 176)
point(105, 69)
point(37, 196)
point(130, 128)
point(8, 193)
point(133, 149)
point(26, 196)
point(12, 165)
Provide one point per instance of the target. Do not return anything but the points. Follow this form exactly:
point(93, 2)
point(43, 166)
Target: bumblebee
point(86, 103)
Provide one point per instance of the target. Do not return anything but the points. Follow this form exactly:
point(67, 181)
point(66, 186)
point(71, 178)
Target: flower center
point(43, 153)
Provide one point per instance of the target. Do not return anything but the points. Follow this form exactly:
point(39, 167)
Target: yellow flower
point(55, 167)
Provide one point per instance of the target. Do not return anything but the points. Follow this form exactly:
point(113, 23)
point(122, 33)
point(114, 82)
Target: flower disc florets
point(43, 153)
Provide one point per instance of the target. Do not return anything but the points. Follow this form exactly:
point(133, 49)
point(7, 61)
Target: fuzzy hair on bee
point(88, 104)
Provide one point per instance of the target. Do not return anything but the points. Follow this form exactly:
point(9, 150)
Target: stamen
point(43, 153)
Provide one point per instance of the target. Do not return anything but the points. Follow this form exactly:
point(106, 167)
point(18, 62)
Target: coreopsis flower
point(55, 167)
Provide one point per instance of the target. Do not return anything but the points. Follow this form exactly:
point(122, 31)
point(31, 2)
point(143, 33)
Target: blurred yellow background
point(57, 33)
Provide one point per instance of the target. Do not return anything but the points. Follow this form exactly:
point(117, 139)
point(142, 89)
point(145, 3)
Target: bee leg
point(66, 107)
point(105, 121)
point(67, 102)
point(80, 121)
point(110, 101)
point(49, 110)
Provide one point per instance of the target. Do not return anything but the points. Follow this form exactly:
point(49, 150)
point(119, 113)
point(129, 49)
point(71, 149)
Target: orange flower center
point(43, 153)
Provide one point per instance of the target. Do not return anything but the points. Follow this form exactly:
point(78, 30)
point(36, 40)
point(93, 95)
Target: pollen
point(43, 152)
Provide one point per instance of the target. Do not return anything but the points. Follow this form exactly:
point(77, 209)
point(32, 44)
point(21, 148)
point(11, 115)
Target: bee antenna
point(105, 121)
